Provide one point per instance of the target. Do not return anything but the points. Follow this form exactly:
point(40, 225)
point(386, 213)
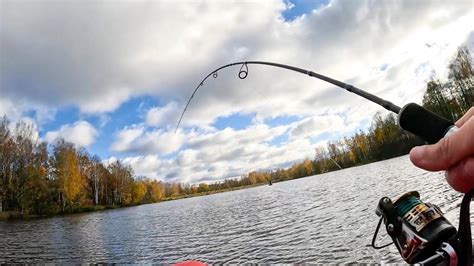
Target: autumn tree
point(121, 180)
point(461, 79)
point(454, 97)
point(95, 177)
point(203, 187)
point(67, 174)
point(157, 191)
point(7, 146)
point(35, 192)
point(139, 190)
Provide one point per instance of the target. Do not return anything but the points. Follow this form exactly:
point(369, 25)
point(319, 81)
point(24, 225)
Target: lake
point(318, 219)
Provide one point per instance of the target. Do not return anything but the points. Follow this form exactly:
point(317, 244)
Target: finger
point(461, 176)
point(447, 152)
point(465, 117)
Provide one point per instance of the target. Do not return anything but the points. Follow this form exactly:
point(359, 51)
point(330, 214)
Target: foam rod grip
point(423, 123)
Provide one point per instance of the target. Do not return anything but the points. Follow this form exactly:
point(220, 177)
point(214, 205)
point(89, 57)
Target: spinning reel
point(422, 234)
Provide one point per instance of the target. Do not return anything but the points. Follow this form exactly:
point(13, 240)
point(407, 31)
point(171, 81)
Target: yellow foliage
point(72, 183)
point(157, 191)
point(138, 191)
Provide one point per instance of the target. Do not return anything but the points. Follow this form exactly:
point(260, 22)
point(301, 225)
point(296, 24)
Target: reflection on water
point(319, 219)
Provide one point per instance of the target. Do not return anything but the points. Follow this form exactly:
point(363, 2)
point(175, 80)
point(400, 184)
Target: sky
point(114, 76)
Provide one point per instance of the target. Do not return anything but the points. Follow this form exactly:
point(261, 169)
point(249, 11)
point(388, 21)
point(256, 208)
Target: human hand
point(454, 154)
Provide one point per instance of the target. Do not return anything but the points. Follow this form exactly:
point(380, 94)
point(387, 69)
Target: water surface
point(318, 219)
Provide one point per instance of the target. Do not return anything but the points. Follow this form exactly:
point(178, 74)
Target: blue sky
point(114, 77)
point(301, 7)
point(126, 114)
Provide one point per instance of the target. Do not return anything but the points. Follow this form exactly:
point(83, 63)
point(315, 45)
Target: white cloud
point(145, 165)
point(134, 48)
point(16, 111)
point(81, 133)
point(125, 48)
point(136, 139)
point(215, 162)
point(126, 137)
point(211, 156)
point(165, 116)
point(163, 49)
point(316, 125)
point(128, 50)
point(10, 109)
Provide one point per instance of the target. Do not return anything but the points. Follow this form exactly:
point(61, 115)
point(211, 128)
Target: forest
point(39, 179)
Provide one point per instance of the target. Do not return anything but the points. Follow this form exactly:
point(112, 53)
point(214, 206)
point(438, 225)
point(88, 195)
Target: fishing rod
point(419, 230)
point(412, 117)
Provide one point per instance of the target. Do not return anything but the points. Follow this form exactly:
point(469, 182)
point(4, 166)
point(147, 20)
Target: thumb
point(431, 157)
point(447, 152)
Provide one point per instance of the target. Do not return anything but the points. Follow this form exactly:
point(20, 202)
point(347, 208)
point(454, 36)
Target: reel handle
point(425, 124)
point(463, 237)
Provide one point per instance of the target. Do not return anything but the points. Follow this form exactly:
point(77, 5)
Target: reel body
point(422, 234)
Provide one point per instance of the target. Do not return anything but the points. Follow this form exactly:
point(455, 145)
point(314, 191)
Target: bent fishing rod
point(419, 230)
point(412, 117)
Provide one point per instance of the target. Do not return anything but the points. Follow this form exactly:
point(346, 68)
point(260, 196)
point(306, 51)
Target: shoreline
point(18, 216)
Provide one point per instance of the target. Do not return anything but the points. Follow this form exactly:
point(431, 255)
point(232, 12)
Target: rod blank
point(244, 72)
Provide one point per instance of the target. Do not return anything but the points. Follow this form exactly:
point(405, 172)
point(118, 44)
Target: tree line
point(40, 178)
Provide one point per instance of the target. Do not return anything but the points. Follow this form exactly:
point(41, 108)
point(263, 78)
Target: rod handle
point(424, 123)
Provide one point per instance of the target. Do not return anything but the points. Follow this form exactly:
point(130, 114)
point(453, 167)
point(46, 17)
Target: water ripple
point(322, 219)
